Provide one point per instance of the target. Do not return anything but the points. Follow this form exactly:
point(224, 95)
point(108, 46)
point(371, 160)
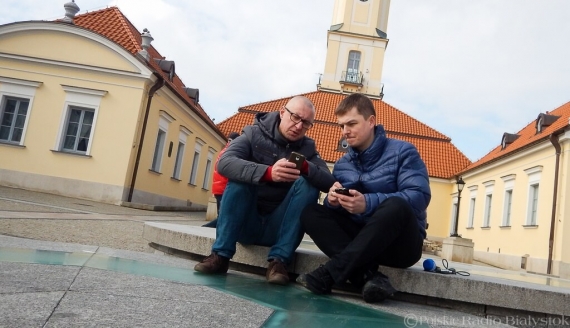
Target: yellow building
point(89, 109)
point(514, 202)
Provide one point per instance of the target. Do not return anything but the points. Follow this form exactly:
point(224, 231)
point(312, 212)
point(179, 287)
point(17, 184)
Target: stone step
point(485, 292)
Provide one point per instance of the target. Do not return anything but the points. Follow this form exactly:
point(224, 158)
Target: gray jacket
point(261, 145)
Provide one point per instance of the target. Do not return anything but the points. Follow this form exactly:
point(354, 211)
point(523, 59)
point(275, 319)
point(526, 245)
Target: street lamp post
point(460, 184)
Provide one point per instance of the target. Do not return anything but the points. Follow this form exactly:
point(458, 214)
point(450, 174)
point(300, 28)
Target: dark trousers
point(390, 237)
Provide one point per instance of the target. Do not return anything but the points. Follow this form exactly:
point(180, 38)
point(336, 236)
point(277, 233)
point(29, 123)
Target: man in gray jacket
point(266, 193)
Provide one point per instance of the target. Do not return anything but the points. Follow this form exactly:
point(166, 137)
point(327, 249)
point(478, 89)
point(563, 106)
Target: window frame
point(208, 172)
point(472, 204)
point(179, 161)
point(77, 137)
point(509, 184)
point(350, 70)
point(196, 161)
point(89, 99)
point(12, 127)
point(20, 89)
point(487, 212)
point(532, 209)
point(534, 175)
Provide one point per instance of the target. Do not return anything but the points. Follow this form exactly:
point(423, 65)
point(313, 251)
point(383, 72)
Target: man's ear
point(372, 120)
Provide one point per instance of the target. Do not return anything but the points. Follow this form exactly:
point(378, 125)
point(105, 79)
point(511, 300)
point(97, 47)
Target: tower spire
point(356, 44)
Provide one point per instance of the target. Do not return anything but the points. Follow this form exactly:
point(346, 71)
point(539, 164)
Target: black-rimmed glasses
point(296, 119)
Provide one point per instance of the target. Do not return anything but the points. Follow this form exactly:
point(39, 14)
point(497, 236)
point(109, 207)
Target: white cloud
point(470, 69)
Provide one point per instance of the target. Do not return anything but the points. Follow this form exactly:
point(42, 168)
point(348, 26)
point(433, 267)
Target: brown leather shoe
point(277, 273)
point(214, 263)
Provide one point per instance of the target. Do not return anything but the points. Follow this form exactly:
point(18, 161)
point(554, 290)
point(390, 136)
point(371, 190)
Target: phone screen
point(342, 191)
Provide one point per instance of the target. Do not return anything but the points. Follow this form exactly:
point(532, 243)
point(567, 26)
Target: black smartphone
point(343, 191)
point(298, 159)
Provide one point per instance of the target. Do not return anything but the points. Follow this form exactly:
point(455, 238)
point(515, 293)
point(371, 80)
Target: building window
point(12, 118)
point(164, 121)
point(182, 136)
point(534, 175)
point(509, 183)
point(78, 130)
point(208, 169)
point(532, 204)
point(352, 71)
point(178, 163)
point(487, 218)
point(158, 150)
point(453, 215)
point(507, 208)
point(79, 117)
point(196, 161)
point(471, 212)
point(16, 98)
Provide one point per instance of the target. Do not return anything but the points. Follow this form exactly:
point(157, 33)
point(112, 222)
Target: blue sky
point(470, 69)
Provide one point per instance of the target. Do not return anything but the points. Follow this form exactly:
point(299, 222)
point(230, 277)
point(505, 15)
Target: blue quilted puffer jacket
point(388, 168)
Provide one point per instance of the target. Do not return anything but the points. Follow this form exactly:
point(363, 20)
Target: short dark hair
point(233, 135)
point(363, 104)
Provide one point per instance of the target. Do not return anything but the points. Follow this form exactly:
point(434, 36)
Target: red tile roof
point(112, 24)
point(527, 138)
point(442, 158)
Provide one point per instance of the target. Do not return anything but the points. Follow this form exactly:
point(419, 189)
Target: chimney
point(146, 40)
point(70, 10)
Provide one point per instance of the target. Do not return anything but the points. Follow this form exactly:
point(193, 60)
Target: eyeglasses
point(296, 119)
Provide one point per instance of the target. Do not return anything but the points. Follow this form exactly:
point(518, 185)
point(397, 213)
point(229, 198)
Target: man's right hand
point(332, 196)
point(284, 171)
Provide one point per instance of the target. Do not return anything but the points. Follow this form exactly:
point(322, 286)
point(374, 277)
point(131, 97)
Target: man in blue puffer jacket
point(381, 220)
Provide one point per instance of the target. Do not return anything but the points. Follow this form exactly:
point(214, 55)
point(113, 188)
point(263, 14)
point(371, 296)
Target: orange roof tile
point(442, 158)
point(112, 24)
point(527, 138)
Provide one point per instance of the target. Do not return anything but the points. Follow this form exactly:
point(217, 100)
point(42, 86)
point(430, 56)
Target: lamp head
point(460, 184)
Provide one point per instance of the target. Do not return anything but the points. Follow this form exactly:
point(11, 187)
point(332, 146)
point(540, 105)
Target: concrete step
point(487, 291)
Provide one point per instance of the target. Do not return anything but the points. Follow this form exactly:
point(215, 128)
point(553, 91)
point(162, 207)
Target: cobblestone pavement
point(48, 217)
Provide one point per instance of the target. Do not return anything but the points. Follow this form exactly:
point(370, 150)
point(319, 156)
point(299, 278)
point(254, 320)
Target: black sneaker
point(318, 281)
point(377, 289)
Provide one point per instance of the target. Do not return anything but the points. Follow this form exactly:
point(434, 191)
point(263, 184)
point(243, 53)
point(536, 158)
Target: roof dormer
point(544, 120)
point(508, 138)
point(194, 94)
point(166, 66)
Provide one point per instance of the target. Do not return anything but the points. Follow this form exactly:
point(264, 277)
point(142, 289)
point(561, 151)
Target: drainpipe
point(157, 85)
point(556, 144)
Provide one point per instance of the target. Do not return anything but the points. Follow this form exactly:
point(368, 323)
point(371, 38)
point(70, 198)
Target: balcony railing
point(351, 77)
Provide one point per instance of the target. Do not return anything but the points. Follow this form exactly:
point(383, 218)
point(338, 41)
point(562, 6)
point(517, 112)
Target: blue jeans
point(239, 221)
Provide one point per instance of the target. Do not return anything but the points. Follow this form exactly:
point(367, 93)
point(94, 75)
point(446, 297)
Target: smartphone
point(298, 159)
point(343, 191)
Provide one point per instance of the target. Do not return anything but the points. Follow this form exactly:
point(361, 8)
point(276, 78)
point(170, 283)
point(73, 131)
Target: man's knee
point(308, 214)
point(303, 186)
point(397, 205)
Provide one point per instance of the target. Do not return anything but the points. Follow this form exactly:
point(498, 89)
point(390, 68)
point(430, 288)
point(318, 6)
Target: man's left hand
point(354, 204)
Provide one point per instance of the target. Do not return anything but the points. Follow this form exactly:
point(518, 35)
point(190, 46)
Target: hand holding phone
point(298, 159)
point(343, 191)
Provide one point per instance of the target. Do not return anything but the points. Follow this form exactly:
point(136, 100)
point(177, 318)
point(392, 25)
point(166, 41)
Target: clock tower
point(356, 44)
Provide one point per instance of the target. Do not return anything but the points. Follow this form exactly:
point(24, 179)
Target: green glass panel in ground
point(294, 306)
point(38, 256)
